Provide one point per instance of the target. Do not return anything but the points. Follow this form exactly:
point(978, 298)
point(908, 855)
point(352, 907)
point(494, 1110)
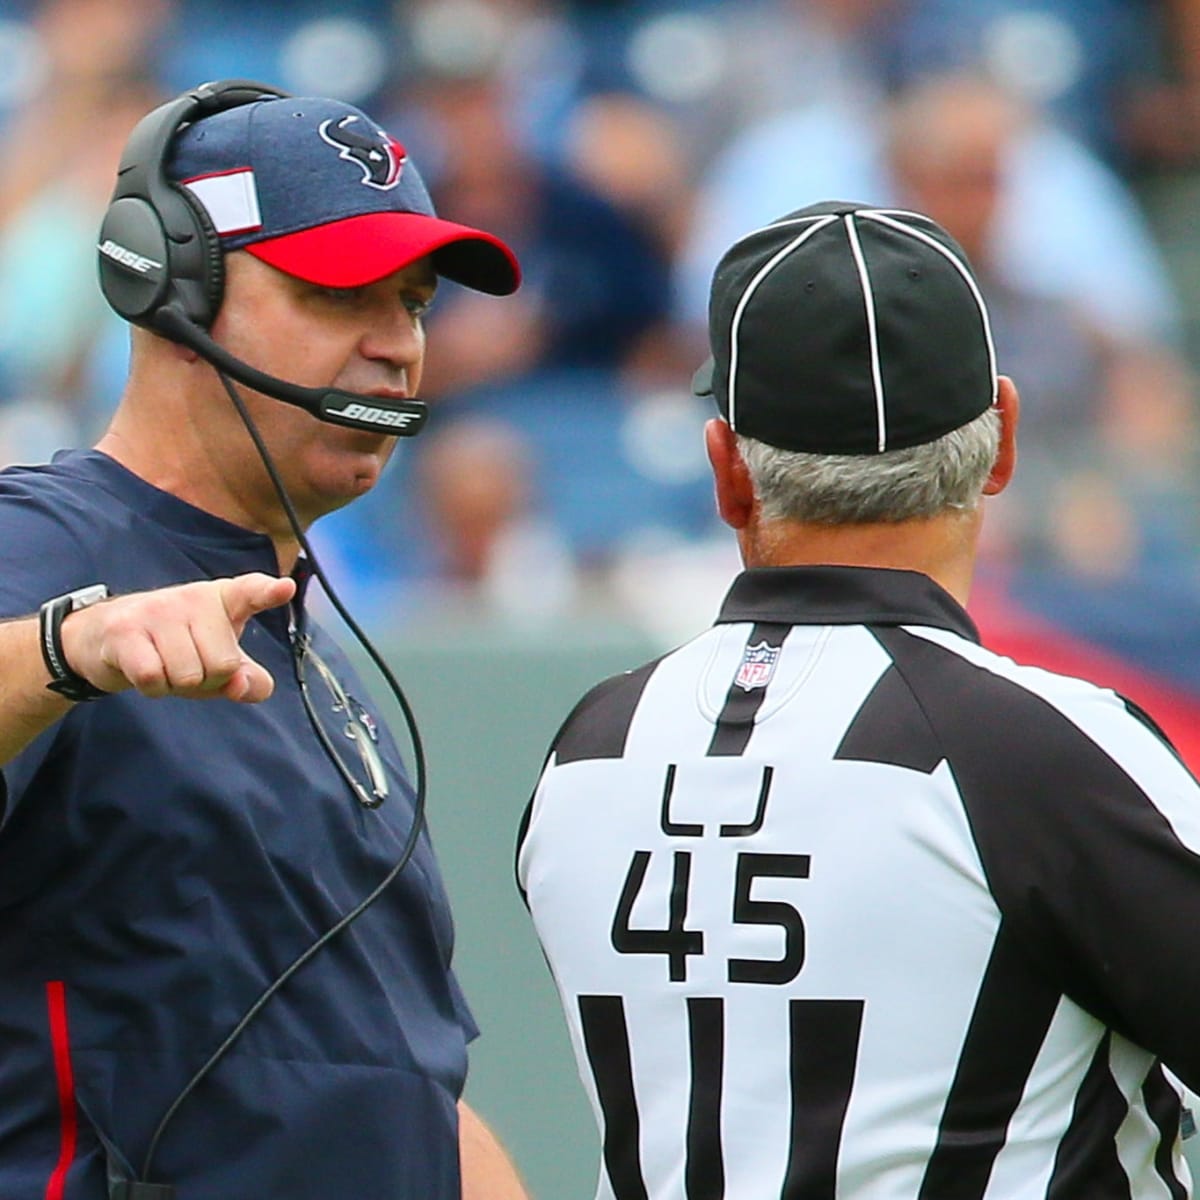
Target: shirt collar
point(843, 596)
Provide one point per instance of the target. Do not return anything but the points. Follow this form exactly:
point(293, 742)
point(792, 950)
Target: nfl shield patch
point(758, 665)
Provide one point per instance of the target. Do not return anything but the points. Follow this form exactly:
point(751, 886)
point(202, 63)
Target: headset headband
point(157, 245)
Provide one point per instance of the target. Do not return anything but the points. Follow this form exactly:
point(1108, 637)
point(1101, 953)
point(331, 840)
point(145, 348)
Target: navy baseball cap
point(317, 189)
point(847, 329)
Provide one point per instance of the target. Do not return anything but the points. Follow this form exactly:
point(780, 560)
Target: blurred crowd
point(620, 148)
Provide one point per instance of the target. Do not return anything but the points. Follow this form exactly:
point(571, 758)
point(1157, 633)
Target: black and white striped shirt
point(841, 904)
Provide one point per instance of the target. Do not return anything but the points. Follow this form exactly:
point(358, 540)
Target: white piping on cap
point(883, 217)
point(818, 223)
point(864, 278)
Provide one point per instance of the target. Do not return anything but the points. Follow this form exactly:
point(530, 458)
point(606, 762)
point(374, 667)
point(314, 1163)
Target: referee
point(838, 902)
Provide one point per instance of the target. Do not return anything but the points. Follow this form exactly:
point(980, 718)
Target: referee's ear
point(1009, 405)
point(731, 476)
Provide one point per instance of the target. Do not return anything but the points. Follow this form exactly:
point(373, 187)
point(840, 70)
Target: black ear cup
point(201, 280)
point(134, 259)
point(157, 246)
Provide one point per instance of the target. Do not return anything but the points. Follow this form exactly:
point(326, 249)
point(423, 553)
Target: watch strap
point(64, 679)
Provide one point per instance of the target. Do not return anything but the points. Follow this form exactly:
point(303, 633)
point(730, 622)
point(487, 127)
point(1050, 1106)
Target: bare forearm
point(26, 707)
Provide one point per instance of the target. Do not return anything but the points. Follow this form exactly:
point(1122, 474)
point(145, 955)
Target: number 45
point(677, 942)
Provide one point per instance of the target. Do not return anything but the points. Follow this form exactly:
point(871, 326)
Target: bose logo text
point(127, 258)
point(376, 416)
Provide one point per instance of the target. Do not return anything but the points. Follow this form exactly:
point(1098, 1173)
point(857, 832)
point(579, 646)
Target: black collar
point(843, 596)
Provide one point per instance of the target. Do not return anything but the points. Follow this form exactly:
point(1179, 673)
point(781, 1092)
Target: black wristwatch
point(64, 679)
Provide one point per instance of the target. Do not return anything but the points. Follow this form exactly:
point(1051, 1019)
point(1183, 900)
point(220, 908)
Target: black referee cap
point(847, 329)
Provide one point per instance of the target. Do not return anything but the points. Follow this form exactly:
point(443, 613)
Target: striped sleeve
point(1088, 827)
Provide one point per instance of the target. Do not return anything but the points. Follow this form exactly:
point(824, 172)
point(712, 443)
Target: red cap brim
point(360, 250)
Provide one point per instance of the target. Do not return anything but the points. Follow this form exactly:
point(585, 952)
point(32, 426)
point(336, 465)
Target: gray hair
point(897, 485)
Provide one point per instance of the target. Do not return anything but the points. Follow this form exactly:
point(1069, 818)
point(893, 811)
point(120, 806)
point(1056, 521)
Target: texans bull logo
point(380, 157)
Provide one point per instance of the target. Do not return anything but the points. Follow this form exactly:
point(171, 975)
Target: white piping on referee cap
point(818, 223)
point(883, 216)
point(864, 279)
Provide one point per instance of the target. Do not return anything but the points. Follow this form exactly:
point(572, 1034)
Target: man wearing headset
point(224, 941)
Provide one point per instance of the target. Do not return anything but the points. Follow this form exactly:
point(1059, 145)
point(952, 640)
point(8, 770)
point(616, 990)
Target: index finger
point(245, 595)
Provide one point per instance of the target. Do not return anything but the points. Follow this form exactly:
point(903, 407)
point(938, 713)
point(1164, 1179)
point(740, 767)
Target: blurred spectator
point(1059, 205)
point(607, 472)
point(1105, 486)
point(631, 152)
point(495, 554)
point(1123, 76)
point(594, 276)
point(472, 541)
point(628, 150)
point(531, 47)
point(718, 66)
point(1101, 526)
point(60, 148)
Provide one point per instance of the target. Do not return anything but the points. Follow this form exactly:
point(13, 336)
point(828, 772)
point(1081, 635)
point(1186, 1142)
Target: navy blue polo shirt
point(162, 861)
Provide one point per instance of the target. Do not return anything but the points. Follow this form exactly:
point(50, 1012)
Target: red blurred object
point(1009, 629)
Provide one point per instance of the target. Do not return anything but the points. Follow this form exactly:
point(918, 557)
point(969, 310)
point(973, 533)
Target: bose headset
point(162, 267)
